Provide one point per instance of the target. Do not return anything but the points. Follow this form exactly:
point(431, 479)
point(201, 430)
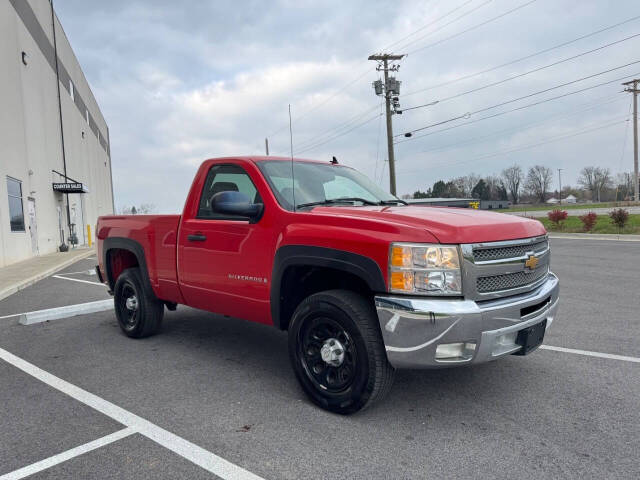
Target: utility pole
point(560, 184)
point(391, 91)
point(632, 87)
point(266, 146)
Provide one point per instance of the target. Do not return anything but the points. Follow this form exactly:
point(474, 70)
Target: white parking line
point(83, 272)
point(195, 454)
point(68, 455)
point(591, 354)
point(78, 280)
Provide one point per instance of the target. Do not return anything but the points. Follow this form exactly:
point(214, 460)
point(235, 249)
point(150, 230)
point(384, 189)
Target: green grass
point(566, 206)
point(603, 225)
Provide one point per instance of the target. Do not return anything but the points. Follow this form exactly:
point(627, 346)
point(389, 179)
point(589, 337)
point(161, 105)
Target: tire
point(353, 372)
point(139, 315)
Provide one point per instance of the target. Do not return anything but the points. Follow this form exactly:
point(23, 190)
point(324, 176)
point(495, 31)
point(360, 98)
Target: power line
point(529, 105)
point(522, 127)
point(311, 147)
point(325, 101)
point(491, 107)
point(526, 57)
point(473, 27)
point(340, 126)
point(537, 69)
point(448, 23)
point(524, 147)
point(388, 47)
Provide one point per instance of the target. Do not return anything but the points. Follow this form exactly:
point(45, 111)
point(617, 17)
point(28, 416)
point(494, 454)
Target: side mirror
point(235, 203)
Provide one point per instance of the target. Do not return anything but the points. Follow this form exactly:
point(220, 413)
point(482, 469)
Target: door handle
point(197, 237)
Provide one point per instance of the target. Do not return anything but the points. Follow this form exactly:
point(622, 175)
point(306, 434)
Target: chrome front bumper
point(412, 328)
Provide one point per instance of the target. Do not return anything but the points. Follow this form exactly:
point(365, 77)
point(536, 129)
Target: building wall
point(30, 132)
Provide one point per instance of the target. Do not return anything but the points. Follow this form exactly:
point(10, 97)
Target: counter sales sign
point(75, 187)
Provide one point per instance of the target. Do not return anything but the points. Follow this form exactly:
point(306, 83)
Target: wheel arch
point(301, 270)
point(120, 253)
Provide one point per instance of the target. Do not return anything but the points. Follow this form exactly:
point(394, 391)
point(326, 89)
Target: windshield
point(319, 183)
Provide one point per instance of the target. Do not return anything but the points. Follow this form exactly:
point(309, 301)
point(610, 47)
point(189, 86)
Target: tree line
point(535, 186)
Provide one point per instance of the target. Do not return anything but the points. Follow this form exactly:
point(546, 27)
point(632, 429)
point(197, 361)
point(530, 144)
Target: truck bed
point(158, 235)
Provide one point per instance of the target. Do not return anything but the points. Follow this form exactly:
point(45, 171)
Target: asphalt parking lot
point(210, 388)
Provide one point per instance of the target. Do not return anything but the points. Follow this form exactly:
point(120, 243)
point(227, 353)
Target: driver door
point(223, 264)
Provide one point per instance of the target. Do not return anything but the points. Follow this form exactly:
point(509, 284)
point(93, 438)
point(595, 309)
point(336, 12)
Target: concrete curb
point(35, 278)
point(596, 236)
point(40, 316)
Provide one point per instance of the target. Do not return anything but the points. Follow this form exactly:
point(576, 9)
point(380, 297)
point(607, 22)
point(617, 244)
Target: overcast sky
point(179, 82)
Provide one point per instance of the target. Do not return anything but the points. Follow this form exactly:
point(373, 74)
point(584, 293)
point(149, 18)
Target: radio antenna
point(293, 182)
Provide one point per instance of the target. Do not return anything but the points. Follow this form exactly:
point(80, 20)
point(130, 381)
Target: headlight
point(423, 269)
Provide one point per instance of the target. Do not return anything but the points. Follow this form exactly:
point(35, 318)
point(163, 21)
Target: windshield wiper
point(333, 201)
point(395, 201)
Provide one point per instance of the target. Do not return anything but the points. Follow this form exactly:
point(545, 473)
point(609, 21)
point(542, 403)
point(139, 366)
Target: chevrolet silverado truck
point(363, 283)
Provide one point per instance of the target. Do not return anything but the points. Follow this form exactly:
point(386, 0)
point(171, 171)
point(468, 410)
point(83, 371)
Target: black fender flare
point(123, 243)
point(303, 255)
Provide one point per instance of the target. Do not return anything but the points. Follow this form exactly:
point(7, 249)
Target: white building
point(53, 138)
point(569, 199)
point(552, 200)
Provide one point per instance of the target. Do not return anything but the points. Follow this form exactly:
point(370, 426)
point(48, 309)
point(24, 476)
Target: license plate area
point(531, 337)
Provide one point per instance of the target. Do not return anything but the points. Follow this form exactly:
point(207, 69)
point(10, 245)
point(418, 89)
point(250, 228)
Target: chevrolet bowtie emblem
point(532, 262)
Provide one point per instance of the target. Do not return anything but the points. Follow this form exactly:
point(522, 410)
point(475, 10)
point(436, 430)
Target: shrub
point(557, 217)
point(619, 217)
point(588, 221)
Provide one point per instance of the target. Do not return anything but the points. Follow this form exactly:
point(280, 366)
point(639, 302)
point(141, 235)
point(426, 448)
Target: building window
point(16, 214)
point(71, 90)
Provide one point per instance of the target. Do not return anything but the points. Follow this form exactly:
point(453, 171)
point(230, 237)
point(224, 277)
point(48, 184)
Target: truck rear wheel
point(337, 353)
point(138, 315)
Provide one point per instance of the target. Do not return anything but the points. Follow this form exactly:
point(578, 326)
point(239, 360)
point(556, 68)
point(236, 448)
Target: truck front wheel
point(138, 314)
point(337, 352)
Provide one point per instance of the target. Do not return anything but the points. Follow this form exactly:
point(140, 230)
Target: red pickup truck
point(362, 282)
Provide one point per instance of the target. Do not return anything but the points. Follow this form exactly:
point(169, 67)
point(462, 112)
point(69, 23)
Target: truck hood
point(447, 224)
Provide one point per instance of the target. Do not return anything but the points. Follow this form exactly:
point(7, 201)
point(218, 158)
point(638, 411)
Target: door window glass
point(224, 178)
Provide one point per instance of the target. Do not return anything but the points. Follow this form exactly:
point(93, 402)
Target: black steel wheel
point(139, 313)
point(337, 353)
point(128, 303)
point(328, 354)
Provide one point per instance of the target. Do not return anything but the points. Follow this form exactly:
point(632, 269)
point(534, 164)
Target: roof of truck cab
point(262, 158)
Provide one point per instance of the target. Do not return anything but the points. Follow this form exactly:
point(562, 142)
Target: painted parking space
point(207, 379)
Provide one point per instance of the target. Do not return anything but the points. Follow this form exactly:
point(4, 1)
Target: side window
point(224, 178)
point(16, 214)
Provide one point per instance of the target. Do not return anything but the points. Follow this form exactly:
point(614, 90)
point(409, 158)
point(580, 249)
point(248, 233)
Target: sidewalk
point(22, 274)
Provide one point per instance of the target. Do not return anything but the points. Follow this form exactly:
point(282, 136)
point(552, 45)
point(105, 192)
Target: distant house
point(568, 199)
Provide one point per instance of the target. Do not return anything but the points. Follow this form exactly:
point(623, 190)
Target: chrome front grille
point(498, 269)
point(498, 253)
point(496, 283)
